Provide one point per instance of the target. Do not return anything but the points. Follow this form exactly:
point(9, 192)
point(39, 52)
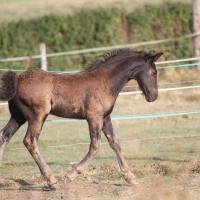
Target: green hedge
point(95, 28)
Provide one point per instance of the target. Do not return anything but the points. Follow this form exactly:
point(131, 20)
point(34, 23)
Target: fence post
point(43, 57)
point(196, 25)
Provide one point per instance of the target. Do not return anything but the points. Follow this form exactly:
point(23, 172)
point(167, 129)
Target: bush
point(95, 28)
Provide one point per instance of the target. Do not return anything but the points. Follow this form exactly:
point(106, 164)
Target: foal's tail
point(8, 85)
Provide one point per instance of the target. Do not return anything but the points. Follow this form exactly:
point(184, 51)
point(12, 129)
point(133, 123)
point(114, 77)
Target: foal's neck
point(120, 74)
point(118, 77)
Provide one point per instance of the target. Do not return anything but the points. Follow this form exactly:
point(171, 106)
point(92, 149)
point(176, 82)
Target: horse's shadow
point(27, 186)
point(23, 185)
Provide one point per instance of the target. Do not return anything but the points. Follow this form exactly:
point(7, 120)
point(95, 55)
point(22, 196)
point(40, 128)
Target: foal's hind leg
point(10, 129)
point(95, 127)
point(30, 141)
point(108, 131)
point(7, 132)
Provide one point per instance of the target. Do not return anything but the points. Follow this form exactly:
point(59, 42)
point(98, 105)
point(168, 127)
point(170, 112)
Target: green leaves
point(95, 28)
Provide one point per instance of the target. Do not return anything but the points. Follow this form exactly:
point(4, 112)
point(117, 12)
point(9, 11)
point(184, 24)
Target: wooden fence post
point(196, 25)
point(43, 57)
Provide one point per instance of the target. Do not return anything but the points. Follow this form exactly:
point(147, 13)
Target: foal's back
point(73, 96)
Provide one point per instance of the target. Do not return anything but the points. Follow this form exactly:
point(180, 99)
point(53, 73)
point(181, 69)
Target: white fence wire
point(99, 49)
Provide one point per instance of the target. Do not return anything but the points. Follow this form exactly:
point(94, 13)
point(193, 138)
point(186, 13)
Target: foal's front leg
point(95, 127)
point(108, 131)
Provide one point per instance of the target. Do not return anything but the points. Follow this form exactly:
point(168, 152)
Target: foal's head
point(129, 64)
point(146, 75)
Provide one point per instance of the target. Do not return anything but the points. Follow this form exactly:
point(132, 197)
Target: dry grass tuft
point(158, 168)
point(193, 167)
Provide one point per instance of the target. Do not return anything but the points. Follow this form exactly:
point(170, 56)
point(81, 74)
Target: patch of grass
point(143, 142)
point(166, 166)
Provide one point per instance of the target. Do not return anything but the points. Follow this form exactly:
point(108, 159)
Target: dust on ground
point(185, 186)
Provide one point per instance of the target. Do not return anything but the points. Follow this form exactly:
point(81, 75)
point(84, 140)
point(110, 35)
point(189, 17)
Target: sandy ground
point(157, 187)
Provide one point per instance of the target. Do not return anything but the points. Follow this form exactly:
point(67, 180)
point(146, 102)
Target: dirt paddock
point(156, 187)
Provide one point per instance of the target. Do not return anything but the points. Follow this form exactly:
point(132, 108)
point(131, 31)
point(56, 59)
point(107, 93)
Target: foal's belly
point(68, 111)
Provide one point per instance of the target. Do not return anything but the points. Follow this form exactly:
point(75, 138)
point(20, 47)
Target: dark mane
point(114, 56)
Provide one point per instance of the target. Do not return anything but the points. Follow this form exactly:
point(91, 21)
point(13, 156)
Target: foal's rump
point(12, 85)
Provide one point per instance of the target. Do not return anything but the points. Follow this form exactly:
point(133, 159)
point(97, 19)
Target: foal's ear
point(154, 56)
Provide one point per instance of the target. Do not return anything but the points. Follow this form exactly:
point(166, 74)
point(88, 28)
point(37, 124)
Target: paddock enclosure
point(160, 140)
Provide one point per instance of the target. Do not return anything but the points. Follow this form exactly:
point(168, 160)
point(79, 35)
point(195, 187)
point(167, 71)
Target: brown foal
point(89, 94)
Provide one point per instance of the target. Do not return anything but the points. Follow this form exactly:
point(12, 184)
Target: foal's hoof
point(71, 175)
point(54, 186)
point(131, 179)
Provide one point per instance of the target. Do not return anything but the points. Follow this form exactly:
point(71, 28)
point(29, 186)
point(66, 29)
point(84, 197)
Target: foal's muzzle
point(152, 97)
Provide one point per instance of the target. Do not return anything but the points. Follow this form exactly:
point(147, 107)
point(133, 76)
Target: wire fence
point(100, 49)
point(121, 141)
point(140, 92)
point(187, 65)
point(161, 65)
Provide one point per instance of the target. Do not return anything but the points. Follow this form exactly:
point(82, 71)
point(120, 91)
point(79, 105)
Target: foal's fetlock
point(130, 178)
